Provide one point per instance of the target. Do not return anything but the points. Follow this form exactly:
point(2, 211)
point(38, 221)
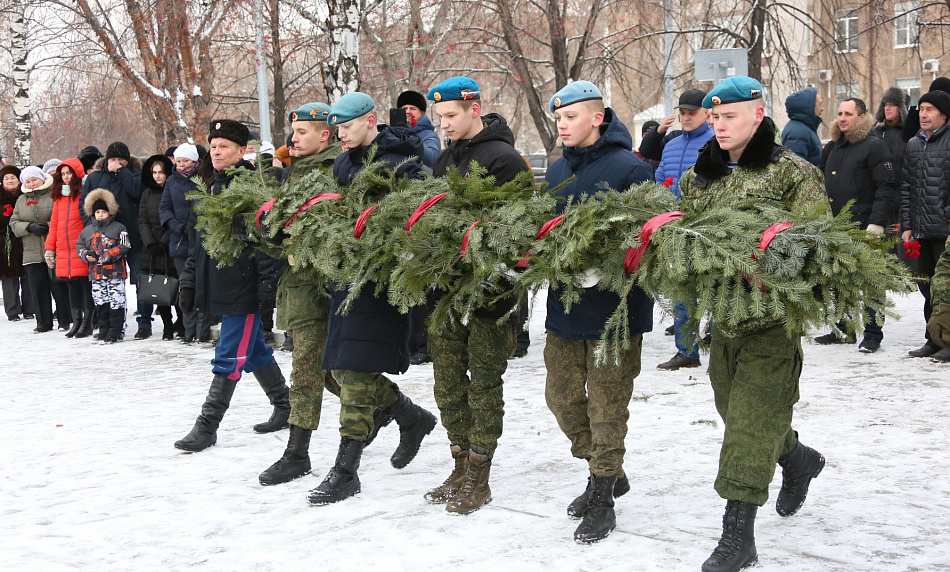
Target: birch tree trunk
point(21, 87)
point(341, 73)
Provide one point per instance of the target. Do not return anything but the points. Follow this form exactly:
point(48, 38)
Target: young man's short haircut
point(595, 105)
point(859, 104)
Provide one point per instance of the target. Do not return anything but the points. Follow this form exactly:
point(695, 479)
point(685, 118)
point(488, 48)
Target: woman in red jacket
point(64, 228)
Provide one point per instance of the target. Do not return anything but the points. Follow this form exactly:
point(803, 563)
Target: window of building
point(845, 90)
point(910, 86)
point(846, 31)
point(906, 27)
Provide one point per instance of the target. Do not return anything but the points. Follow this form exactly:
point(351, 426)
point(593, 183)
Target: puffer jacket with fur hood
point(859, 167)
point(32, 206)
point(126, 186)
point(66, 225)
point(106, 239)
point(893, 134)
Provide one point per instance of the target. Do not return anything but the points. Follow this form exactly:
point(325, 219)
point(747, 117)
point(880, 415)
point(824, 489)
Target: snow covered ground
point(89, 478)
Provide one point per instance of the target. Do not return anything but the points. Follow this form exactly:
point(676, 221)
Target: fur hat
point(412, 98)
point(9, 170)
point(100, 199)
point(118, 150)
point(894, 96)
point(230, 130)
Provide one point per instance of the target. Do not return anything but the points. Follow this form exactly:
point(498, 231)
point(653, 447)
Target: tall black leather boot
point(414, 424)
point(380, 419)
point(272, 382)
point(736, 549)
point(341, 482)
point(295, 461)
point(599, 518)
point(77, 323)
point(799, 467)
point(204, 433)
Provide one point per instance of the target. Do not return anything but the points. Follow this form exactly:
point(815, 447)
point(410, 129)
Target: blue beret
point(310, 112)
point(458, 88)
point(573, 93)
point(350, 106)
point(733, 89)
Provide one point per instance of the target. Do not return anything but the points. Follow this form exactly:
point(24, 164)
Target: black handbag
point(157, 289)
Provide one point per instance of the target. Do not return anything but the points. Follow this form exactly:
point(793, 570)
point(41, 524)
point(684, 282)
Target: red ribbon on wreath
point(361, 221)
point(634, 255)
point(912, 249)
point(770, 233)
point(310, 202)
point(426, 205)
point(266, 207)
point(465, 239)
point(545, 229)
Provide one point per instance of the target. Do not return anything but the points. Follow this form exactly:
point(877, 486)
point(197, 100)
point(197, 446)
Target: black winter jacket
point(859, 167)
point(235, 289)
point(373, 336)
point(150, 224)
point(394, 145)
point(175, 211)
point(493, 149)
point(608, 163)
point(126, 185)
point(925, 186)
point(893, 137)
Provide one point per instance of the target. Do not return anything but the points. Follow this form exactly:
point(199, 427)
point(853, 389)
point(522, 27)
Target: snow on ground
point(90, 479)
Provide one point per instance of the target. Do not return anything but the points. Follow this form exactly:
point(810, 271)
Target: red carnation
point(912, 249)
point(668, 182)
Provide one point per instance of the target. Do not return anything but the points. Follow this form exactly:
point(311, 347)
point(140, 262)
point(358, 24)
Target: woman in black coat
point(12, 274)
point(155, 257)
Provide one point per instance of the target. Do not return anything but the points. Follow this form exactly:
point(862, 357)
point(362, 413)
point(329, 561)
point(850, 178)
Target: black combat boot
point(342, 482)
point(272, 382)
point(736, 549)
point(578, 506)
point(295, 461)
point(799, 467)
point(203, 434)
point(77, 323)
point(380, 419)
point(414, 424)
point(599, 519)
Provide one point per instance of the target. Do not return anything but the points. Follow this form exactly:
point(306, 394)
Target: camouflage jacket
point(766, 171)
point(940, 283)
point(302, 296)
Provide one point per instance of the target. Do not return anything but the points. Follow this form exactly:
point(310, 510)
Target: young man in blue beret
point(472, 408)
point(589, 400)
point(237, 293)
point(754, 367)
point(373, 337)
point(303, 306)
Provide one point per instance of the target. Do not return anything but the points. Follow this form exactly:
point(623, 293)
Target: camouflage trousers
point(308, 378)
point(361, 393)
point(472, 408)
point(755, 382)
point(590, 401)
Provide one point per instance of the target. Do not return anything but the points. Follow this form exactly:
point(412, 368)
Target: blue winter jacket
point(680, 154)
point(430, 140)
point(174, 210)
point(607, 164)
point(801, 133)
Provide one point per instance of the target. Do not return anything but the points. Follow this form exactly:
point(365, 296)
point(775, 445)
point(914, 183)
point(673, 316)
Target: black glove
point(239, 229)
point(92, 253)
point(38, 228)
point(156, 248)
point(266, 306)
point(186, 300)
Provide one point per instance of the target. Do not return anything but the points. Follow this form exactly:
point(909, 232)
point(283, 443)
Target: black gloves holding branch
point(186, 300)
point(38, 228)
